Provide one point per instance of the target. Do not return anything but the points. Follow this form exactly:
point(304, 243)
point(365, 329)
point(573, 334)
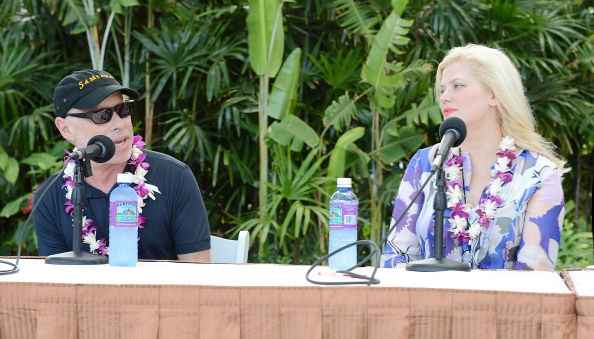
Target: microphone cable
point(376, 250)
point(365, 280)
point(15, 266)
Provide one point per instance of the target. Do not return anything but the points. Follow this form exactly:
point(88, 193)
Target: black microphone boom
point(452, 133)
point(99, 149)
point(454, 130)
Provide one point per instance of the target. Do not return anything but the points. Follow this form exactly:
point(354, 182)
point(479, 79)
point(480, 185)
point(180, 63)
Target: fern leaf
point(357, 18)
point(340, 112)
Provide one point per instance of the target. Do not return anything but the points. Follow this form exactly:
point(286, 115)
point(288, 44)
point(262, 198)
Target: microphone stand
point(76, 256)
point(438, 263)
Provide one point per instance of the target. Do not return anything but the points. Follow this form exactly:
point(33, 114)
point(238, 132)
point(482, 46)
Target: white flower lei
point(500, 174)
point(143, 190)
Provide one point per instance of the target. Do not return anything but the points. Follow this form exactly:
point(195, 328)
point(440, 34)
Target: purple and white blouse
point(524, 234)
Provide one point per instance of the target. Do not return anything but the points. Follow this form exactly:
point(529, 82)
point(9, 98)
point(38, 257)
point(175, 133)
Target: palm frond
point(184, 134)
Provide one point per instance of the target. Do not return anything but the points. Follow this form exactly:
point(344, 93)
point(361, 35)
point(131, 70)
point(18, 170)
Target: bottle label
point(343, 215)
point(123, 213)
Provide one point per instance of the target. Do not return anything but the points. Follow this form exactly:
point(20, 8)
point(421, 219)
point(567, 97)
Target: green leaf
point(265, 20)
point(340, 112)
point(399, 6)
point(427, 109)
point(11, 172)
point(340, 70)
point(70, 17)
point(118, 5)
point(297, 145)
point(391, 127)
point(3, 161)
point(293, 127)
point(378, 71)
point(299, 218)
point(301, 130)
point(288, 218)
point(215, 169)
point(392, 148)
point(284, 92)
point(337, 163)
point(350, 137)
point(217, 79)
point(13, 207)
point(356, 17)
point(82, 19)
point(391, 151)
point(42, 160)
point(279, 134)
point(410, 138)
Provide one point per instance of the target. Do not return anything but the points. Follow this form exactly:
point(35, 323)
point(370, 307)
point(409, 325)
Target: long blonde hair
point(498, 74)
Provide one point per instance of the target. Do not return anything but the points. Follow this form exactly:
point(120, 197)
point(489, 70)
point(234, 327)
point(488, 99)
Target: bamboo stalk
point(262, 127)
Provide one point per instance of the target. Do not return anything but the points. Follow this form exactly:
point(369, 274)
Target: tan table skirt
point(43, 310)
point(585, 317)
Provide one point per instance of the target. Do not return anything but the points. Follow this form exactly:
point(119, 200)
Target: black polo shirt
point(176, 221)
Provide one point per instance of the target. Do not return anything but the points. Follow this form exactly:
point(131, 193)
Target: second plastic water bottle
point(344, 207)
point(123, 223)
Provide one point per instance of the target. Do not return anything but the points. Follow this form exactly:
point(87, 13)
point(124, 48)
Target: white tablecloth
point(174, 273)
point(583, 281)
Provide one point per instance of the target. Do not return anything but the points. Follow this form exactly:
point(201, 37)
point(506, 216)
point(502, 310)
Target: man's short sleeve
point(190, 229)
point(50, 239)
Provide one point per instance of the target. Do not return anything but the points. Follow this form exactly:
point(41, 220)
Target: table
point(186, 300)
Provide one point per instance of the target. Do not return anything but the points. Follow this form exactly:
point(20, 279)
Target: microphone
point(99, 149)
point(452, 133)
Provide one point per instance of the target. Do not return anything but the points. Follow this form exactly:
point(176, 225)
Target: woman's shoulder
point(427, 152)
point(535, 168)
point(534, 160)
point(423, 158)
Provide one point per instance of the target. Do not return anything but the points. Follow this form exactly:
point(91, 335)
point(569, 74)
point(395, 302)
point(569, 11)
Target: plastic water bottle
point(123, 223)
point(344, 207)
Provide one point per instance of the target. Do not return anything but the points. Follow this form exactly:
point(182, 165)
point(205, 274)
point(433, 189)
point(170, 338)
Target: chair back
point(230, 251)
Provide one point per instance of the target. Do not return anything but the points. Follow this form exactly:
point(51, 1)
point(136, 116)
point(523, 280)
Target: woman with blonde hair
point(504, 196)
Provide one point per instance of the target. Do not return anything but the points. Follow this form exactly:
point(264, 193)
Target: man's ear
point(65, 129)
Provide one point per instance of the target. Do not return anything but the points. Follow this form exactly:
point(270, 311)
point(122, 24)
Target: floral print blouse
point(524, 234)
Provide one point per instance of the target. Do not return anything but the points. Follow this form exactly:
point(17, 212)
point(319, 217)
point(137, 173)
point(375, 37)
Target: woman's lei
point(144, 190)
point(501, 174)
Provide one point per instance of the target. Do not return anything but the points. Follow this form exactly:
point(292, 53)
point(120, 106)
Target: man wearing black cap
point(174, 222)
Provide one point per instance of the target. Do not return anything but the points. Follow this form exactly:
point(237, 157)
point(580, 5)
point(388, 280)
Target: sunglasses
point(103, 115)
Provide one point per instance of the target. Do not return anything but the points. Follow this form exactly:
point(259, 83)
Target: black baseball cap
point(86, 89)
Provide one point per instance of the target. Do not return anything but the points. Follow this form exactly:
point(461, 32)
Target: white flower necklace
point(500, 175)
point(143, 190)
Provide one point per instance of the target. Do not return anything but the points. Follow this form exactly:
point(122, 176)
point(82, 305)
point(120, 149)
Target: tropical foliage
point(269, 101)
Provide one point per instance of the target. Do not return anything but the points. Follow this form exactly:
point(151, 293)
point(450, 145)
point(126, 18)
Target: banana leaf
point(265, 28)
point(291, 127)
point(284, 92)
point(378, 71)
point(392, 148)
point(337, 163)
